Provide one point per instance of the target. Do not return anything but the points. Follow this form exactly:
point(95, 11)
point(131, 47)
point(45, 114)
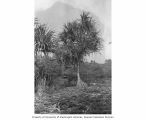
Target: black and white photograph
point(72, 57)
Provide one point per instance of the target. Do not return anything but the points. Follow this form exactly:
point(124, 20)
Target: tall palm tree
point(80, 38)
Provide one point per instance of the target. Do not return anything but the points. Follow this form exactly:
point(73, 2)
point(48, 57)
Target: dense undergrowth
point(55, 94)
point(50, 71)
point(72, 100)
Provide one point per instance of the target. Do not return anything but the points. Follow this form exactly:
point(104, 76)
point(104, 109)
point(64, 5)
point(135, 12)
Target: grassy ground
point(96, 99)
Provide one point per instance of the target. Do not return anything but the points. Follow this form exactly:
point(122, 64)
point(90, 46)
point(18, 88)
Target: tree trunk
point(80, 83)
point(62, 68)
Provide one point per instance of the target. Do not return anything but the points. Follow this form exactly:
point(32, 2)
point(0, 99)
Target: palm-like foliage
point(80, 38)
point(43, 39)
point(44, 43)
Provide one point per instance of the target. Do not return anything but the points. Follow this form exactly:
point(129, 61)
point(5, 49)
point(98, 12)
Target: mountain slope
point(58, 15)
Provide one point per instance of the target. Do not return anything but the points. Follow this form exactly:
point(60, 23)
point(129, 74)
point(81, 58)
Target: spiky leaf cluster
point(81, 37)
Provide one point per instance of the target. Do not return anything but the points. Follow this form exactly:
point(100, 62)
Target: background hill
point(59, 14)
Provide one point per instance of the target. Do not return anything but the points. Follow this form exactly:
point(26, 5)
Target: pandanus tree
point(43, 45)
point(80, 37)
point(43, 38)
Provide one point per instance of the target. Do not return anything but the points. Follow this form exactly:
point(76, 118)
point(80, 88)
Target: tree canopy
point(80, 37)
point(43, 39)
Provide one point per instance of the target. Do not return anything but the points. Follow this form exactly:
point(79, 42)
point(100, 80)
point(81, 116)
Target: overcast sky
point(101, 8)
